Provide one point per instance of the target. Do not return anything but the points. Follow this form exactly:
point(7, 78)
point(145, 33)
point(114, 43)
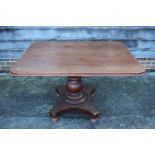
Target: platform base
point(85, 107)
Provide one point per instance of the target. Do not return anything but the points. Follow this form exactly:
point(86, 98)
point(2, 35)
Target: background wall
point(15, 40)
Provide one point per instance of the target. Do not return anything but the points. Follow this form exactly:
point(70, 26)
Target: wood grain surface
point(77, 58)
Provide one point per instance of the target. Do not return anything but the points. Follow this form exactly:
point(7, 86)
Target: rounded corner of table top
point(144, 72)
point(141, 73)
point(12, 73)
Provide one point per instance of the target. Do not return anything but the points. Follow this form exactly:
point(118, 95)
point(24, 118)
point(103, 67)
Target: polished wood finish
point(75, 59)
point(74, 97)
point(74, 91)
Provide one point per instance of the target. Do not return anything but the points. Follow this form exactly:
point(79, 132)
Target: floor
point(124, 102)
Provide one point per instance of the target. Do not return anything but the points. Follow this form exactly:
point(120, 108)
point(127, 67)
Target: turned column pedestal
point(74, 97)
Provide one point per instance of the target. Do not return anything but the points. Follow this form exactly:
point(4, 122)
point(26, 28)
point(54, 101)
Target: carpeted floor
point(124, 102)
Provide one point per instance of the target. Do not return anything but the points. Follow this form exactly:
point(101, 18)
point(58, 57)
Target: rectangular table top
point(77, 58)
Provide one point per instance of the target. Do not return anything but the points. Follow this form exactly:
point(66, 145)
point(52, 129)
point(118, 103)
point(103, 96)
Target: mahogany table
point(75, 59)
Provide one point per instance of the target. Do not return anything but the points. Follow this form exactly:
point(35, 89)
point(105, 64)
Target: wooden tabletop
point(77, 58)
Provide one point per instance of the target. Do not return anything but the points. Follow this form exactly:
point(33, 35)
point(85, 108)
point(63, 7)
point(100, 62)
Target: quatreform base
point(74, 98)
